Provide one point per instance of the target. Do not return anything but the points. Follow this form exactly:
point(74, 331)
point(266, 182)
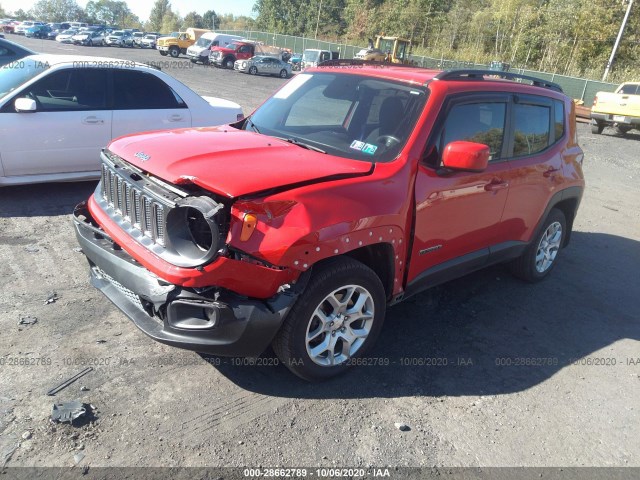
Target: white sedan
point(58, 111)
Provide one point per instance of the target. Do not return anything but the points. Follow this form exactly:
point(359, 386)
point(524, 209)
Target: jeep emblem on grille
point(142, 156)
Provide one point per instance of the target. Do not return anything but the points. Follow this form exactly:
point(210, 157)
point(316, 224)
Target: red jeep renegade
point(354, 186)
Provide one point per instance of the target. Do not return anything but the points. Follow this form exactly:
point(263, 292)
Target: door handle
point(550, 172)
point(496, 185)
point(93, 121)
point(175, 118)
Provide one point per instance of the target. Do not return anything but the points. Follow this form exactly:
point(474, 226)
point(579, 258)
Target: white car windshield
point(310, 56)
point(16, 73)
point(203, 42)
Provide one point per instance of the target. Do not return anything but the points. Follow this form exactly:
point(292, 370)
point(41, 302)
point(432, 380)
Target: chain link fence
point(577, 88)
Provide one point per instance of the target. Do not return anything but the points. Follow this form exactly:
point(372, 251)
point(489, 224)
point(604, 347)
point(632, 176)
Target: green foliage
point(56, 10)
point(108, 12)
point(210, 20)
point(566, 37)
point(156, 17)
point(193, 20)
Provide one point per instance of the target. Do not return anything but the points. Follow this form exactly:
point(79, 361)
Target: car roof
point(16, 46)
point(412, 75)
point(98, 62)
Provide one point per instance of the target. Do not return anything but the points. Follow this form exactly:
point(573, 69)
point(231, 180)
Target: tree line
point(567, 37)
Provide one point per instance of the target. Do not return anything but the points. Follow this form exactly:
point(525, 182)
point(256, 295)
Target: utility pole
point(615, 46)
point(318, 19)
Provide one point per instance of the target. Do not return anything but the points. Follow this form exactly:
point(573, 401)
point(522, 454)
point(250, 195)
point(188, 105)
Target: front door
point(458, 214)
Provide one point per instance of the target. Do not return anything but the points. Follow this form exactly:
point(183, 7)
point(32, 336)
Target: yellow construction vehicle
point(387, 49)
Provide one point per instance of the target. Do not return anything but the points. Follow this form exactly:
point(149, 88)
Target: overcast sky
point(143, 7)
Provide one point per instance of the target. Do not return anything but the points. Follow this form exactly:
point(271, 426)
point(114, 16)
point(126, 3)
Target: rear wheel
point(90, 43)
point(622, 129)
point(174, 52)
point(597, 127)
point(541, 255)
point(334, 321)
point(284, 73)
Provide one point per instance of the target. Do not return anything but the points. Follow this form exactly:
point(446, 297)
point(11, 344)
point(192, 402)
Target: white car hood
point(221, 102)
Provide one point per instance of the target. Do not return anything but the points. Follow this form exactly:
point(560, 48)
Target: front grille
point(141, 210)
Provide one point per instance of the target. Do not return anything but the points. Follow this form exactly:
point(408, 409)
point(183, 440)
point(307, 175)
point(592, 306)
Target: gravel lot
point(160, 406)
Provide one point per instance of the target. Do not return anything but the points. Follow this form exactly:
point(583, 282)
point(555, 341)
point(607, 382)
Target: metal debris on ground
point(68, 411)
point(31, 249)
point(101, 341)
point(77, 458)
point(84, 389)
point(52, 298)
point(28, 321)
point(69, 381)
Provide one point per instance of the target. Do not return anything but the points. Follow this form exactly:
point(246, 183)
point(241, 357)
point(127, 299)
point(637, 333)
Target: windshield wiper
point(252, 125)
point(297, 142)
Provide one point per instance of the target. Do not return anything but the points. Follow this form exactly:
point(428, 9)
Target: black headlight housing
point(193, 231)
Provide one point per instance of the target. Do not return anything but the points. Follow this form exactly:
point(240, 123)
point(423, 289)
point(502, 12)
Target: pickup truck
point(620, 109)
point(348, 191)
point(175, 45)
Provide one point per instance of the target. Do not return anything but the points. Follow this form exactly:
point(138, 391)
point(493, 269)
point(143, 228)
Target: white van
point(199, 51)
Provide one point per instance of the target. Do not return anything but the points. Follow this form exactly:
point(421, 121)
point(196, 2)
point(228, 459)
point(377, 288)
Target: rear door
point(143, 102)
point(72, 123)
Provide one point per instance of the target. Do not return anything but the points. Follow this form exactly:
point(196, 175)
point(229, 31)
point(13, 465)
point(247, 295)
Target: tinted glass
point(629, 89)
point(134, 90)
point(476, 122)
point(346, 115)
point(559, 119)
point(81, 89)
point(532, 124)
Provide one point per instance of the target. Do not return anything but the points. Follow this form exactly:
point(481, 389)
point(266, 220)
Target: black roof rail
point(480, 74)
point(351, 62)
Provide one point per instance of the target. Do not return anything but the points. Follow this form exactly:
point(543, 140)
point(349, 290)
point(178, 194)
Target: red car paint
point(301, 226)
point(284, 207)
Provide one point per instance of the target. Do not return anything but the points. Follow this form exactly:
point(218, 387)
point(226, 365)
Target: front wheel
point(334, 321)
point(596, 127)
point(622, 129)
point(228, 63)
point(253, 70)
point(541, 255)
point(163, 53)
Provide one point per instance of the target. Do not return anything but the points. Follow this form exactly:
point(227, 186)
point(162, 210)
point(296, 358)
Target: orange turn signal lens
point(248, 226)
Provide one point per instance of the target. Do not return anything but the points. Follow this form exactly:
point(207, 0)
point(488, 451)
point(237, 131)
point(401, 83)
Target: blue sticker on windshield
point(369, 149)
point(357, 145)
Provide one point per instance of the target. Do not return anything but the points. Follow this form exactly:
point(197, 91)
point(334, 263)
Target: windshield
point(69, 32)
point(117, 33)
point(203, 42)
point(347, 115)
point(150, 37)
point(310, 56)
point(16, 73)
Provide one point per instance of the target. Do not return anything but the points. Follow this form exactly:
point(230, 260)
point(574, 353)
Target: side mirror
point(466, 156)
point(25, 105)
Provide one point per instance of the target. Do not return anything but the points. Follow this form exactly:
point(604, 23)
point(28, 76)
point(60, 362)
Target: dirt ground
point(494, 404)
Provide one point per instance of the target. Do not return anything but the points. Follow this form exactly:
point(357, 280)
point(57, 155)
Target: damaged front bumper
point(210, 320)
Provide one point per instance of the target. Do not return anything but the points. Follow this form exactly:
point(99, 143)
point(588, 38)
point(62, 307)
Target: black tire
point(253, 71)
point(228, 62)
point(174, 52)
point(290, 343)
point(622, 129)
point(596, 127)
point(524, 267)
point(193, 60)
point(164, 54)
point(284, 73)
point(90, 43)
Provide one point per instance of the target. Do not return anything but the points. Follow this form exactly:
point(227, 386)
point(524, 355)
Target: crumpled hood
point(230, 162)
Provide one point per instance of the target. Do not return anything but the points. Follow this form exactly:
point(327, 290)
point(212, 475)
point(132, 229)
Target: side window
point(559, 119)
point(134, 90)
point(81, 89)
point(5, 52)
point(531, 128)
point(476, 122)
point(629, 89)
